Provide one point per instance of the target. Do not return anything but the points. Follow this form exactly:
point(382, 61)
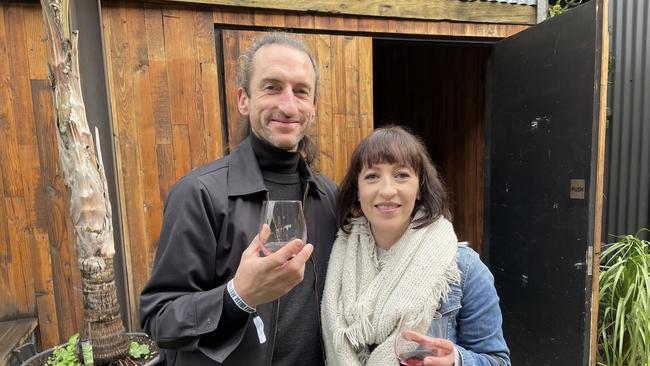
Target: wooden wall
point(165, 84)
point(38, 267)
point(164, 94)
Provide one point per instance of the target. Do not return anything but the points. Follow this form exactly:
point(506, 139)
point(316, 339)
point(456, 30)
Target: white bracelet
point(238, 300)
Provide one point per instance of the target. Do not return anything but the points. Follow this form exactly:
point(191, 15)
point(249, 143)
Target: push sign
point(577, 189)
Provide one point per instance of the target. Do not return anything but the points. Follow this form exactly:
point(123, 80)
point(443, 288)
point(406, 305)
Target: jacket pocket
point(449, 311)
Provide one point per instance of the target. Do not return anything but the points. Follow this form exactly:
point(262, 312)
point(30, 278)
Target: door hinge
point(589, 259)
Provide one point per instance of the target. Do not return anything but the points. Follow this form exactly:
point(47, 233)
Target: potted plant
point(624, 302)
point(142, 352)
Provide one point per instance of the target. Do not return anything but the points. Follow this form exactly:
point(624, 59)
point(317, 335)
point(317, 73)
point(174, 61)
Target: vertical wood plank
point(22, 280)
point(19, 66)
point(177, 46)
point(210, 93)
point(35, 38)
point(196, 120)
point(136, 130)
point(158, 73)
point(351, 82)
point(35, 215)
point(48, 322)
point(338, 76)
point(165, 153)
point(141, 192)
point(341, 158)
point(231, 52)
point(365, 86)
point(9, 159)
point(40, 240)
point(181, 151)
point(205, 41)
point(323, 54)
point(9, 305)
point(125, 72)
point(5, 247)
point(211, 111)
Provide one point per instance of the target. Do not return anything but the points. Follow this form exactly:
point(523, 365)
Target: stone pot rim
point(151, 362)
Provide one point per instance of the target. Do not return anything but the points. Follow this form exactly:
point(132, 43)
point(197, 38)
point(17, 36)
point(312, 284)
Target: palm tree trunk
point(84, 176)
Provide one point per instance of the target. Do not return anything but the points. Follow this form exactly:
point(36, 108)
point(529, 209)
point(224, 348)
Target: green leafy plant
point(65, 355)
point(138, 350)
point(561, 6)
point(624, 302)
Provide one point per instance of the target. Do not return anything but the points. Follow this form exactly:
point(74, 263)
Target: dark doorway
point(437, 90)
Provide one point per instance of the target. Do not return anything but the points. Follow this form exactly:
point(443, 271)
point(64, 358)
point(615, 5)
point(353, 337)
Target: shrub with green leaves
point(624, 303)
point(65, 355)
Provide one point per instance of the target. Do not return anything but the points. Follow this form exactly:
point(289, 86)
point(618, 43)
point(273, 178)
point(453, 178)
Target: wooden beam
point(600, 173)
point(453, 10)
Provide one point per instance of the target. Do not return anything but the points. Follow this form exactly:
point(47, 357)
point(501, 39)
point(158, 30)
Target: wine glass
point(286, 221)
point(409, 352)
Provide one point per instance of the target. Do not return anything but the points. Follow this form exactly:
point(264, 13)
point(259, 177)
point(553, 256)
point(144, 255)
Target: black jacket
point(210, 217)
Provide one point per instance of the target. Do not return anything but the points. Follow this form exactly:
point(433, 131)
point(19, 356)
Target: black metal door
point(542, 119)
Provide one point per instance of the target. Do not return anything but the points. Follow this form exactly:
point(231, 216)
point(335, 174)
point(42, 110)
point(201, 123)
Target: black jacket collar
point(245, 176)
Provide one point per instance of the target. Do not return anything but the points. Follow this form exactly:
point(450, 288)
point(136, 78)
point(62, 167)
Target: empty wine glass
point(286, 222)
point(410, 352)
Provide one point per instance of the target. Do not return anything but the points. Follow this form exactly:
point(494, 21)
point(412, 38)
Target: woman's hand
point(443, 349)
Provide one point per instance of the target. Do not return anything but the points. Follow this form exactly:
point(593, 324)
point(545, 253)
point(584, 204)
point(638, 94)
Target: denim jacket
point(471, 315)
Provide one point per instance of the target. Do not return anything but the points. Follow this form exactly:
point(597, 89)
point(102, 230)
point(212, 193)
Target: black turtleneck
point(274, 159)
point(279, 169)
point(298, 336)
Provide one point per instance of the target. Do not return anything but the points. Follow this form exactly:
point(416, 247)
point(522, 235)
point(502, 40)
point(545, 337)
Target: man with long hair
point(212, 298)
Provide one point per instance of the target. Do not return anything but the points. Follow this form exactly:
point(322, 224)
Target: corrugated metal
point(627, 168)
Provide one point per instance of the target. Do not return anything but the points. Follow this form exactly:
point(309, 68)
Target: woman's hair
point(393, 145)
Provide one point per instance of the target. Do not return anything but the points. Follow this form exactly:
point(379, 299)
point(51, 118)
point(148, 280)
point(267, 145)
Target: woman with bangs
point(397, 255)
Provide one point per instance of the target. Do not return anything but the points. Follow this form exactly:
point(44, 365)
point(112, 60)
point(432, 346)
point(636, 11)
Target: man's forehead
point(281, 49)
point(278, 56)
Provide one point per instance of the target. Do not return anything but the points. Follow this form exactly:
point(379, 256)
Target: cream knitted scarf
point(364, 297)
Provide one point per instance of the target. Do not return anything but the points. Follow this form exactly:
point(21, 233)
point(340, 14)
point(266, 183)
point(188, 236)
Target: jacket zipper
point(320, 327)
point(313, 262)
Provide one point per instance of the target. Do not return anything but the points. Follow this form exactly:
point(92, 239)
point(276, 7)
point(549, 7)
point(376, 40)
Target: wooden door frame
point(603, 19)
